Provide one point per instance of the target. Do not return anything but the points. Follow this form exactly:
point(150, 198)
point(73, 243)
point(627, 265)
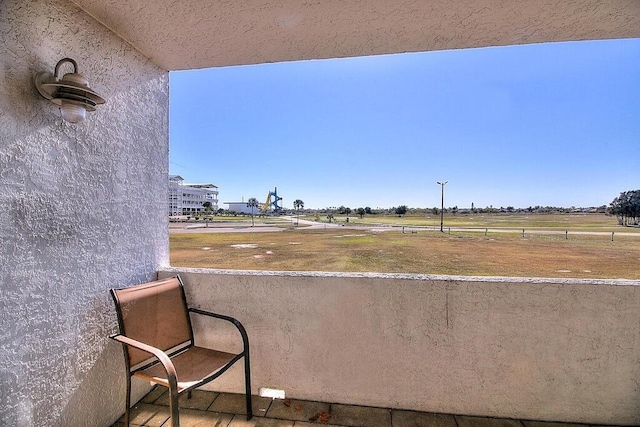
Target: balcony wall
point(83, 208)
point(556, 350)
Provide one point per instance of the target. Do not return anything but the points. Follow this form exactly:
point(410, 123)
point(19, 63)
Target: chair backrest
point(154, 313)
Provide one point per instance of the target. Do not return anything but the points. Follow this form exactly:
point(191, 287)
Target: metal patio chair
point(158, 342)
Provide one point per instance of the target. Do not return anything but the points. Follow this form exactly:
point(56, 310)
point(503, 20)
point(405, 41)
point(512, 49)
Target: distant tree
point(361, 212)
point(401, 210)
point(207, 211)
point(435, 211)
point(329, 216)
point(298, 204)
point(367, 210)
point(454, 210)
point(626, 207)
point(347, 211)
point(252, 203)
point(342, 210)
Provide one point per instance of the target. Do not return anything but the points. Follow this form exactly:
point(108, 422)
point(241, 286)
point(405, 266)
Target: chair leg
point(247, 379)
point(173, 407)
point(127, 406)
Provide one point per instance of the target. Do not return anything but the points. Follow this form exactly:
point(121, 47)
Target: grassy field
point(570, 222)
point(425, 251)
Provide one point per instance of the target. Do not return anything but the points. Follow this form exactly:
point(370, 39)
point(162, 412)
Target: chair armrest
point(236, 322)
point(164, 359)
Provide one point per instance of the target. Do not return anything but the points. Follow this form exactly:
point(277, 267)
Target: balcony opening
point(533, 143)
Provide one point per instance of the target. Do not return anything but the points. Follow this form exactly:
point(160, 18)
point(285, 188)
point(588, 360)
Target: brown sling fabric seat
point(158, 342)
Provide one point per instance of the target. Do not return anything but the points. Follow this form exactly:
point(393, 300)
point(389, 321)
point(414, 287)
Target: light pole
point(442, 184)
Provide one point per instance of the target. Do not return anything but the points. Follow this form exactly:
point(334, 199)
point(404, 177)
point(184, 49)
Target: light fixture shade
point(71, 93)
point(73, 113)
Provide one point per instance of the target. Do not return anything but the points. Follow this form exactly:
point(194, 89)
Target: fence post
point(566, 235)
point(523, 233)
point(612, 233)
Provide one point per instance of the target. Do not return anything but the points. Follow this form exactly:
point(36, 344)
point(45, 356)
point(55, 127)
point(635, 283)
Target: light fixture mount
point(71, 92)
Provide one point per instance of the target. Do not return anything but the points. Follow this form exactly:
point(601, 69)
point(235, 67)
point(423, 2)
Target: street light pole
point(442, 184)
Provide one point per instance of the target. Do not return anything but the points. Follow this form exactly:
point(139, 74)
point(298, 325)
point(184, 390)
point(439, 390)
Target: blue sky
point(550, 124)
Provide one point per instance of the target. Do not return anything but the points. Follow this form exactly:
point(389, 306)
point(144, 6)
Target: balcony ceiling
point(188, 34)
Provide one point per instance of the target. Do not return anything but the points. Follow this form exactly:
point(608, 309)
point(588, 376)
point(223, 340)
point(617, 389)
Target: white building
point(241, 207)
point(187, 199)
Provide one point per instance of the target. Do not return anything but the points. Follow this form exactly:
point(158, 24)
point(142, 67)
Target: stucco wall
point(543, 349)
point(81, 210)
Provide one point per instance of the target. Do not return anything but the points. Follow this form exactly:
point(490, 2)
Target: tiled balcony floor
point(207, 408)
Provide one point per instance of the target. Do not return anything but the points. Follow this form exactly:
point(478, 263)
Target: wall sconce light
point(71, 93)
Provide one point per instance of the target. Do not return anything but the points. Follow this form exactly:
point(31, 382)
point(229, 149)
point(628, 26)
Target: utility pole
point(442, 184)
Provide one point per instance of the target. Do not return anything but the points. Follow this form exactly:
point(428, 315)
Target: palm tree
point(252, 203)
point(298, 204)
point(207, 212)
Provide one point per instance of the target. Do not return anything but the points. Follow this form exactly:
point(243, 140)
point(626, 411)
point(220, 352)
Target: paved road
point(222, 228)
point(286, 223)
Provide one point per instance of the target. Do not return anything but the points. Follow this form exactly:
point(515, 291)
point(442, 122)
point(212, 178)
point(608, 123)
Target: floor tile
point(547, 424)
point(154, 394)
point(200, 399)
point(310, 424)
point(235, 404)
point(142, 413)
point(359, 416)
point(194, 418)
point(241, 421)
point(160, 418)
point(296, 410)
point(464, 421)
point(421, 419)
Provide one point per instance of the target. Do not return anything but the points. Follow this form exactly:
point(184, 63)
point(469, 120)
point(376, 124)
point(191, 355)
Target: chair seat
point(192, 367)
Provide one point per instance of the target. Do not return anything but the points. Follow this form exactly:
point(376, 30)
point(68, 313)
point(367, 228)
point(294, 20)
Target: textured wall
point(544, 349)
point(189, 34)
point(82, 210)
